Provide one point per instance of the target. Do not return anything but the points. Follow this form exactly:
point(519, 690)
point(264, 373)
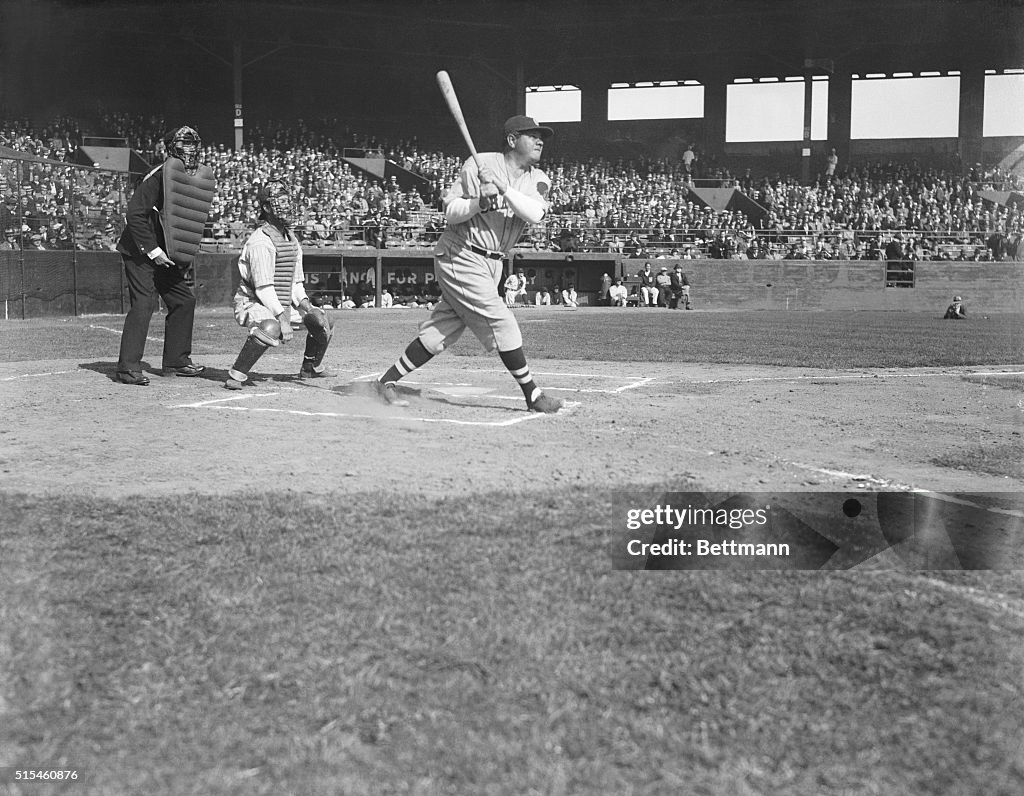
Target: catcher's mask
point(184, 143)
point(275, 201)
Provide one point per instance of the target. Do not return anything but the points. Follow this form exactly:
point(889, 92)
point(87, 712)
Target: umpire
point(150, 272)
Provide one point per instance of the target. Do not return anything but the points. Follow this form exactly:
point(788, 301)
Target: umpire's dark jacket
point(143, 231)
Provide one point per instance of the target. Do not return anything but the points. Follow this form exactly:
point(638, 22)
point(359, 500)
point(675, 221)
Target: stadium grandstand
point(696, 138)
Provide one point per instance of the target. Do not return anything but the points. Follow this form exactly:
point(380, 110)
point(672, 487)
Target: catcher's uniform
point(268, 258)
point(270, 294)
point(468, 263)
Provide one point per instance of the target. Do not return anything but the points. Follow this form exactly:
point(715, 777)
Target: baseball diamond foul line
point(33, 375)
point(837, 376)
point(201, 404)
point(1000, 602)
point(115, 331)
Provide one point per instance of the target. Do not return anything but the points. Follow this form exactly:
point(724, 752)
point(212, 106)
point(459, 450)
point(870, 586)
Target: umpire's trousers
point(145, 282)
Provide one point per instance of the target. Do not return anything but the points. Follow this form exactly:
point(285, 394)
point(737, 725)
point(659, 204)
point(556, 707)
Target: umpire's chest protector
point(187, 200)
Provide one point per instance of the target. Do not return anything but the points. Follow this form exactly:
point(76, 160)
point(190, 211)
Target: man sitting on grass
point(956, 310)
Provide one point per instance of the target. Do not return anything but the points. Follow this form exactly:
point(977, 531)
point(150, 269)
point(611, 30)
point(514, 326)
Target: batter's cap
point(526, 124)
point(957, 298)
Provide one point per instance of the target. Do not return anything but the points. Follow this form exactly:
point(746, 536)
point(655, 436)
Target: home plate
point(457, 391)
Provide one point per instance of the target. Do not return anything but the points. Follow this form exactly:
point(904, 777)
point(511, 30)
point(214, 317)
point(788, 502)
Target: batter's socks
point(415, 356)
point(515, 361)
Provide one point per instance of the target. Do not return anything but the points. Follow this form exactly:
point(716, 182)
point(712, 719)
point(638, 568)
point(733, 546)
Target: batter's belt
point(486, 252)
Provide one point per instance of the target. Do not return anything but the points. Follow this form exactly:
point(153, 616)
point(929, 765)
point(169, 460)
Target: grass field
point(451, 633)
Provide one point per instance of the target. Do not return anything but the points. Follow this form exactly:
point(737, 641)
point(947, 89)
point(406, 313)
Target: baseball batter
point(487, 210)
point(270, 267)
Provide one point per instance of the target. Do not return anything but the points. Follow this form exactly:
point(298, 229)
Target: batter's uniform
point(486, 218)
point(468, 263)
point(270, 267)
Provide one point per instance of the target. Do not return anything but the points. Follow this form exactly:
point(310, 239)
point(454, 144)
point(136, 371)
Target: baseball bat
point(444, 82)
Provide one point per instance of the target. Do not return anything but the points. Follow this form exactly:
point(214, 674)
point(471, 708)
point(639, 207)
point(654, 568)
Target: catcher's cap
point(185, 132)
point(525, 124)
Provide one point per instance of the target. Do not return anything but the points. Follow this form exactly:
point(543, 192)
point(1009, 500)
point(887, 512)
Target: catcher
point(271, 285)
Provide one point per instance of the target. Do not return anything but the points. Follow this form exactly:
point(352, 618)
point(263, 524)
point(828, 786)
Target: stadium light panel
point(925, 107)
point(649, 101)
point(1003, 110)
point(554, 103)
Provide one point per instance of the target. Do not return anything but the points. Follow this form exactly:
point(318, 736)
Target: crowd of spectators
point(640, 208)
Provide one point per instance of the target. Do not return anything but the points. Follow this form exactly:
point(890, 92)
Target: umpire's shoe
point(191, 369)
point(136, 377)
point(547, 405)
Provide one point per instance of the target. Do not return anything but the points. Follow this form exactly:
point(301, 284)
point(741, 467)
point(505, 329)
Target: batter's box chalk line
point(633, 382)
point(230, 403)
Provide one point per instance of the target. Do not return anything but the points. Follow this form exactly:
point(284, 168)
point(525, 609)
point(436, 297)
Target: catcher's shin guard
point(261, 337)
point(320, 330)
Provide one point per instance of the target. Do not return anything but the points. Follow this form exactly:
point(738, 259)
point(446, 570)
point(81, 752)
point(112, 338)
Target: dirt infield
point(369, 599)
point(70, 428)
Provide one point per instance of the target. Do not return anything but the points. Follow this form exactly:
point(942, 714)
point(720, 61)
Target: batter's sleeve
point(526, 207)
point(462, 202)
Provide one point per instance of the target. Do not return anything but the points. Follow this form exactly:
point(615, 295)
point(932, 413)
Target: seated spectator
point(386, 299)
point(617, 293)
point(648, 286)
point(663, 282)
point(543, 297)
point(680, 289)
point(569, 297)
point(956, 310)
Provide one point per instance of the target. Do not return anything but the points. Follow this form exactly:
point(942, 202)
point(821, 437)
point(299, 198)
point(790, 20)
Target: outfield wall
point(62, 284)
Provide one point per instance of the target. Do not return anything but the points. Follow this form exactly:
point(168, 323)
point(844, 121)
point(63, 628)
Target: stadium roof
point(577, 40)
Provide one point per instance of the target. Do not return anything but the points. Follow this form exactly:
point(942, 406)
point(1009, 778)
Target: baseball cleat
point(190, 369)
point(135, 377)
point(233, 384)
point(388, 392)
point(309, 372)
point(547, 405)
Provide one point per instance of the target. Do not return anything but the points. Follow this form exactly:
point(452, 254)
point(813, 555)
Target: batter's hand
point(164, 260)
point(489, 176)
